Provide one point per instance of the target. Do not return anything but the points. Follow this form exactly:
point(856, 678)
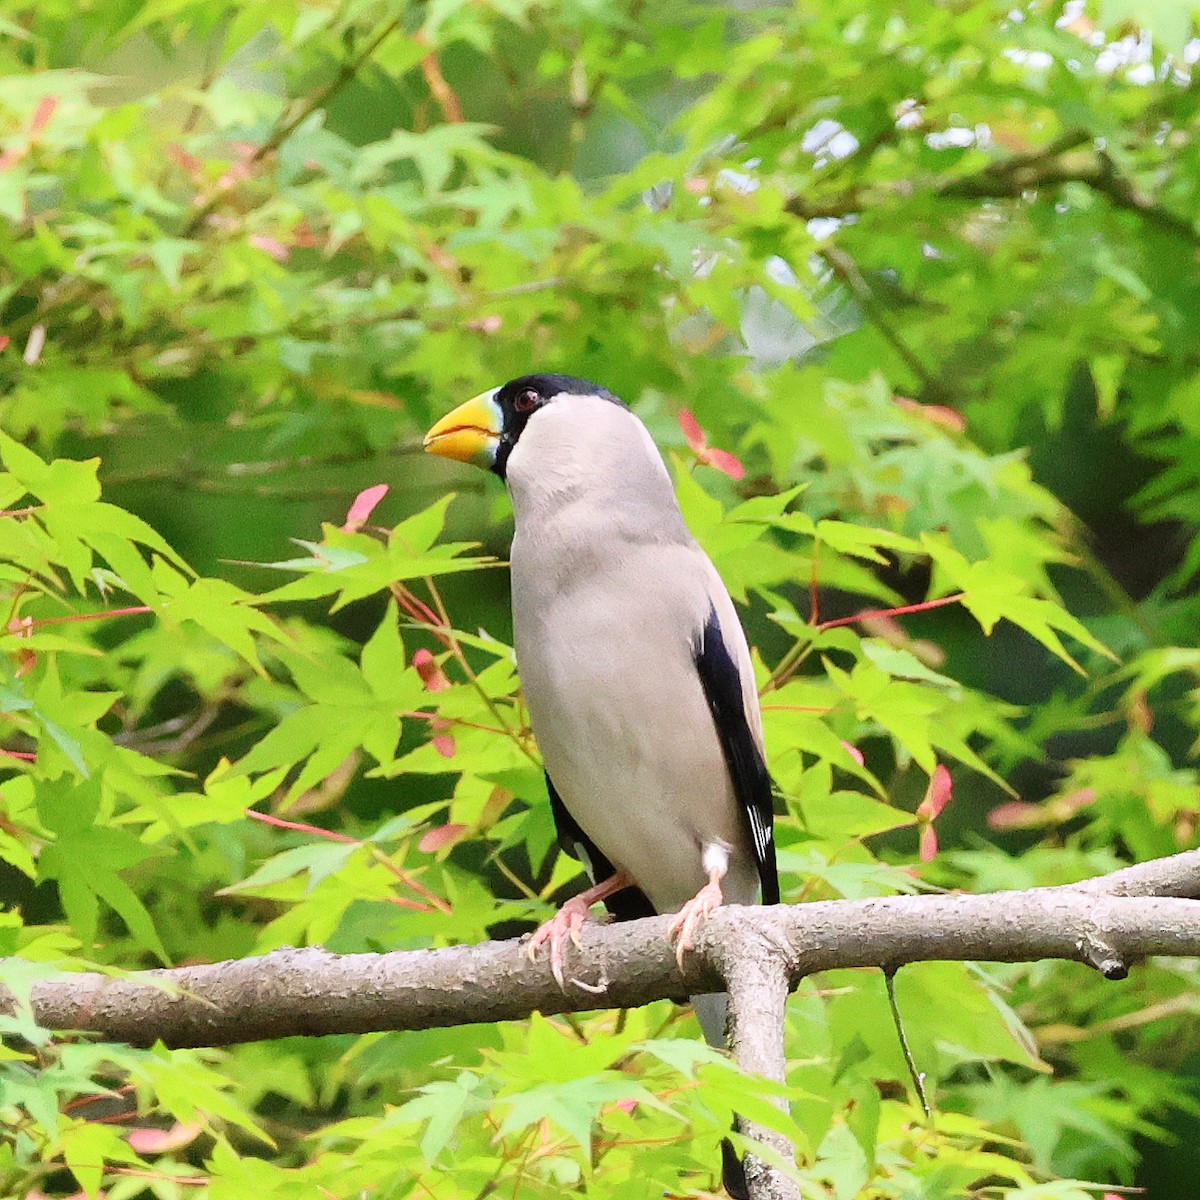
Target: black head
point(485, 429)
point(520, 398)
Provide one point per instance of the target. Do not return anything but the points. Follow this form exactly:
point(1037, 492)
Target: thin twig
point(439, 89)
point(918, 1079)
point(899, 611)
point(37, 622)
point(460, 655)
point(846, 269)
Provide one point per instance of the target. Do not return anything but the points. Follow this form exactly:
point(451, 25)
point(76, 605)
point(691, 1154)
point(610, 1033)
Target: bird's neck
point(609, 462)
point(588, 507)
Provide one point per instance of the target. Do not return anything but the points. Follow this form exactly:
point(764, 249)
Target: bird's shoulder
point(644, 585)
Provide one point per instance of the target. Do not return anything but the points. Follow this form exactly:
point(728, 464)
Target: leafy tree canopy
point(908, 294)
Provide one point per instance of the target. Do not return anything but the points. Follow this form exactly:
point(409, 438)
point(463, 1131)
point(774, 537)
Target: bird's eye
point(526, 401)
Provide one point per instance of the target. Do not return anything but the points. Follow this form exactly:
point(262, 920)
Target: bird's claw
point(691, 916)
point(564, 925)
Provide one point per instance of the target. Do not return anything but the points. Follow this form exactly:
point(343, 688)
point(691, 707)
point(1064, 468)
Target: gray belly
point(624, 728)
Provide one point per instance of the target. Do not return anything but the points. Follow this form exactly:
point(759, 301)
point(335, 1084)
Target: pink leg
point(699, 908)
point(567, 922)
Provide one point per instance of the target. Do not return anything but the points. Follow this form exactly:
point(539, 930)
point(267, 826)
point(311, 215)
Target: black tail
point(733, 1172)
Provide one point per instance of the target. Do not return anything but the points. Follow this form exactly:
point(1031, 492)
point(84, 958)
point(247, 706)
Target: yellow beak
point(471, 433)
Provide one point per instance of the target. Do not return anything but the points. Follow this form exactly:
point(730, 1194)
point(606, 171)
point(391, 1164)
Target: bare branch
point(758, 954)
point(447, 99)
point(1069, 158)
point(757, 970)
point(314, 992)
point(1095, 170)
point(1178, 875)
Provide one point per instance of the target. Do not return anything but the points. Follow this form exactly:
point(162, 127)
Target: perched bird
point(634, 665)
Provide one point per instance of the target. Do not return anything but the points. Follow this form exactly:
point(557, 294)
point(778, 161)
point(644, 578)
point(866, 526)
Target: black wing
point(630, 903)
point(751, 783)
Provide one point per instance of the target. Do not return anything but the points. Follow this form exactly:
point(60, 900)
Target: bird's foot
point(689, 918)
point(563, 926)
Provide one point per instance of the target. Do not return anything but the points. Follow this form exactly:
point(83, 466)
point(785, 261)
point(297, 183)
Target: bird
point(634, 665)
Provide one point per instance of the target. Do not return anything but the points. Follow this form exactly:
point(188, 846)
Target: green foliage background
point(928, 269)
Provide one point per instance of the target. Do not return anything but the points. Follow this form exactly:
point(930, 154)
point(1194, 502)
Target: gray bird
point(634, 665)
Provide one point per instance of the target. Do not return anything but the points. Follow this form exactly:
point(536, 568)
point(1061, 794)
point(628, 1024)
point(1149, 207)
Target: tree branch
point(758, 973)
point(994, 179)
point(1060, 161)
point(757, 954)
point(1063, 160)
point(846, 269)
point(1108, 922)
point(1176, 875)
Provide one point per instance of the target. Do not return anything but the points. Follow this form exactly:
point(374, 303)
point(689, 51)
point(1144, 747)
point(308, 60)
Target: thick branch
point(758, 973)
point(1178, 875)
point(314, 992)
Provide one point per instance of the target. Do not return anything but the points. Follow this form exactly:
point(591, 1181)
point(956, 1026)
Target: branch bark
point(758, 973)
point(758, 954)
point(1109, 922)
